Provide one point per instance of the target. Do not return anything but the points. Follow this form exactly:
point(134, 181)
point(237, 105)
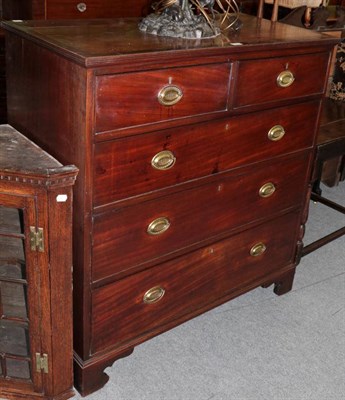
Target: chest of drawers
point(195, 161)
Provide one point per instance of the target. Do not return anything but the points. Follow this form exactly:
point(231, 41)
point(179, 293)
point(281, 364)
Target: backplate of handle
point(276, 133)
point(158, 226)
point(170, 95)
point(163, 160)
point(153, 295)
point(267, 189)
point(285, 79)
point(258, 249)
point(81, 7)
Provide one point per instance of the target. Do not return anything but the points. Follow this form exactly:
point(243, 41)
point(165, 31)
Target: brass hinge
point(36, 239)
point(42, 363)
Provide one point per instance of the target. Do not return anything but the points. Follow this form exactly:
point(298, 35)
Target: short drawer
point(134, 165)
point(147, 97)
point(145, 302)
point(127, 237)
point(276, 79)
point(78, 9)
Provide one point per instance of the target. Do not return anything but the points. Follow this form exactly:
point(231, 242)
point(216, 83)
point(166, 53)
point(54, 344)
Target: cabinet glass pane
point(11, 268)
point(19, 369)
point(11, 220)
point(14, 338)
point(14, 317)
point(13, 300)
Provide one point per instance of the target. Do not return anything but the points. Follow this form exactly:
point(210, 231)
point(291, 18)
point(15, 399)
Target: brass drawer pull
point(257, 249)
point(81, 7)
point(153, 295)
point(276, 133)
point(285, 79)
point(158, 226)
point(170, 95)
point(163, 160)
point(267, 190)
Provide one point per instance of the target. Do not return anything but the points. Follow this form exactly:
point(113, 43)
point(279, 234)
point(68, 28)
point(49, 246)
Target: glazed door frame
point(28, 205)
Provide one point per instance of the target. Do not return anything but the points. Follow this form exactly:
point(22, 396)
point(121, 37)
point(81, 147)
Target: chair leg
point(316, 187)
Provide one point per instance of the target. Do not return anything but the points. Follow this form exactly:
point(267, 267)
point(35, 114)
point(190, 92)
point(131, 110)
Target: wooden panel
point(131, 99)
point(123, 167)
point(60, 9)
point(261, 77)
point(121, 240)
point(19, 9)
point(120, 315)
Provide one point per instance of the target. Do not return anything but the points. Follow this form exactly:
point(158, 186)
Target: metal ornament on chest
point(191, 19)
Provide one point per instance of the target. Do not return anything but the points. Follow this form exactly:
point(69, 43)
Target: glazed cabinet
point(35, 271)
point(195, 161)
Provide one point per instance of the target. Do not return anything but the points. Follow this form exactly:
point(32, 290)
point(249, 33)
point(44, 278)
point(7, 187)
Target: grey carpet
point(258, 346)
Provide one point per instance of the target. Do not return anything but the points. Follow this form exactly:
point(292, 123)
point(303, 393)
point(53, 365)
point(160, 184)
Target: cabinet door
point(20, 335)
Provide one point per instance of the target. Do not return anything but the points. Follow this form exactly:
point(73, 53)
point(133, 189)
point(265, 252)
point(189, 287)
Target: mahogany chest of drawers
point(195, 162)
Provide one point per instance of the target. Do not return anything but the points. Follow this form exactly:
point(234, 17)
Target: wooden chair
point(330, 145)
point(299, 9)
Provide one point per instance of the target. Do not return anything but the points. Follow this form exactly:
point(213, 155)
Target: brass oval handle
point(267, 189)
point(163, 160)
point(170, 95)
point(285, 79)
point(81, 7)
point(257, 249)
point(276, 133)
point(153, 295)
point(158, 226)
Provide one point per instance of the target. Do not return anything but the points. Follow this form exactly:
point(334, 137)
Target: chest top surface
point(108, 41)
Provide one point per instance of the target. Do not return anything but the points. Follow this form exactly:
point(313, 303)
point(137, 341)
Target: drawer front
point(125, 238)
point(76, 9)
point(154, 96)
point(120, 312)
point(258, 80)
point(134, 165)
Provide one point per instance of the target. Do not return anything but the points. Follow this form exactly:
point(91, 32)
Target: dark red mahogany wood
point(87, 91)
point(61, 9)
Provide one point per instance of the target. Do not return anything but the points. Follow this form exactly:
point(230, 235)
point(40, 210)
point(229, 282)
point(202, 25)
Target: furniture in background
point(61, 9)
point(292, 5)
point(66, 9)
point(35, 271)
point(3, 107)
point(195, 161)
point(310, 14)
point(330, 146)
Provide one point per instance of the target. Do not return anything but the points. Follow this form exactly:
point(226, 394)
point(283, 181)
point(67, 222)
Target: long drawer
point(127, 237)
point(278, 79)
point(146, 301)
point(146, 97)
point(135, 165)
